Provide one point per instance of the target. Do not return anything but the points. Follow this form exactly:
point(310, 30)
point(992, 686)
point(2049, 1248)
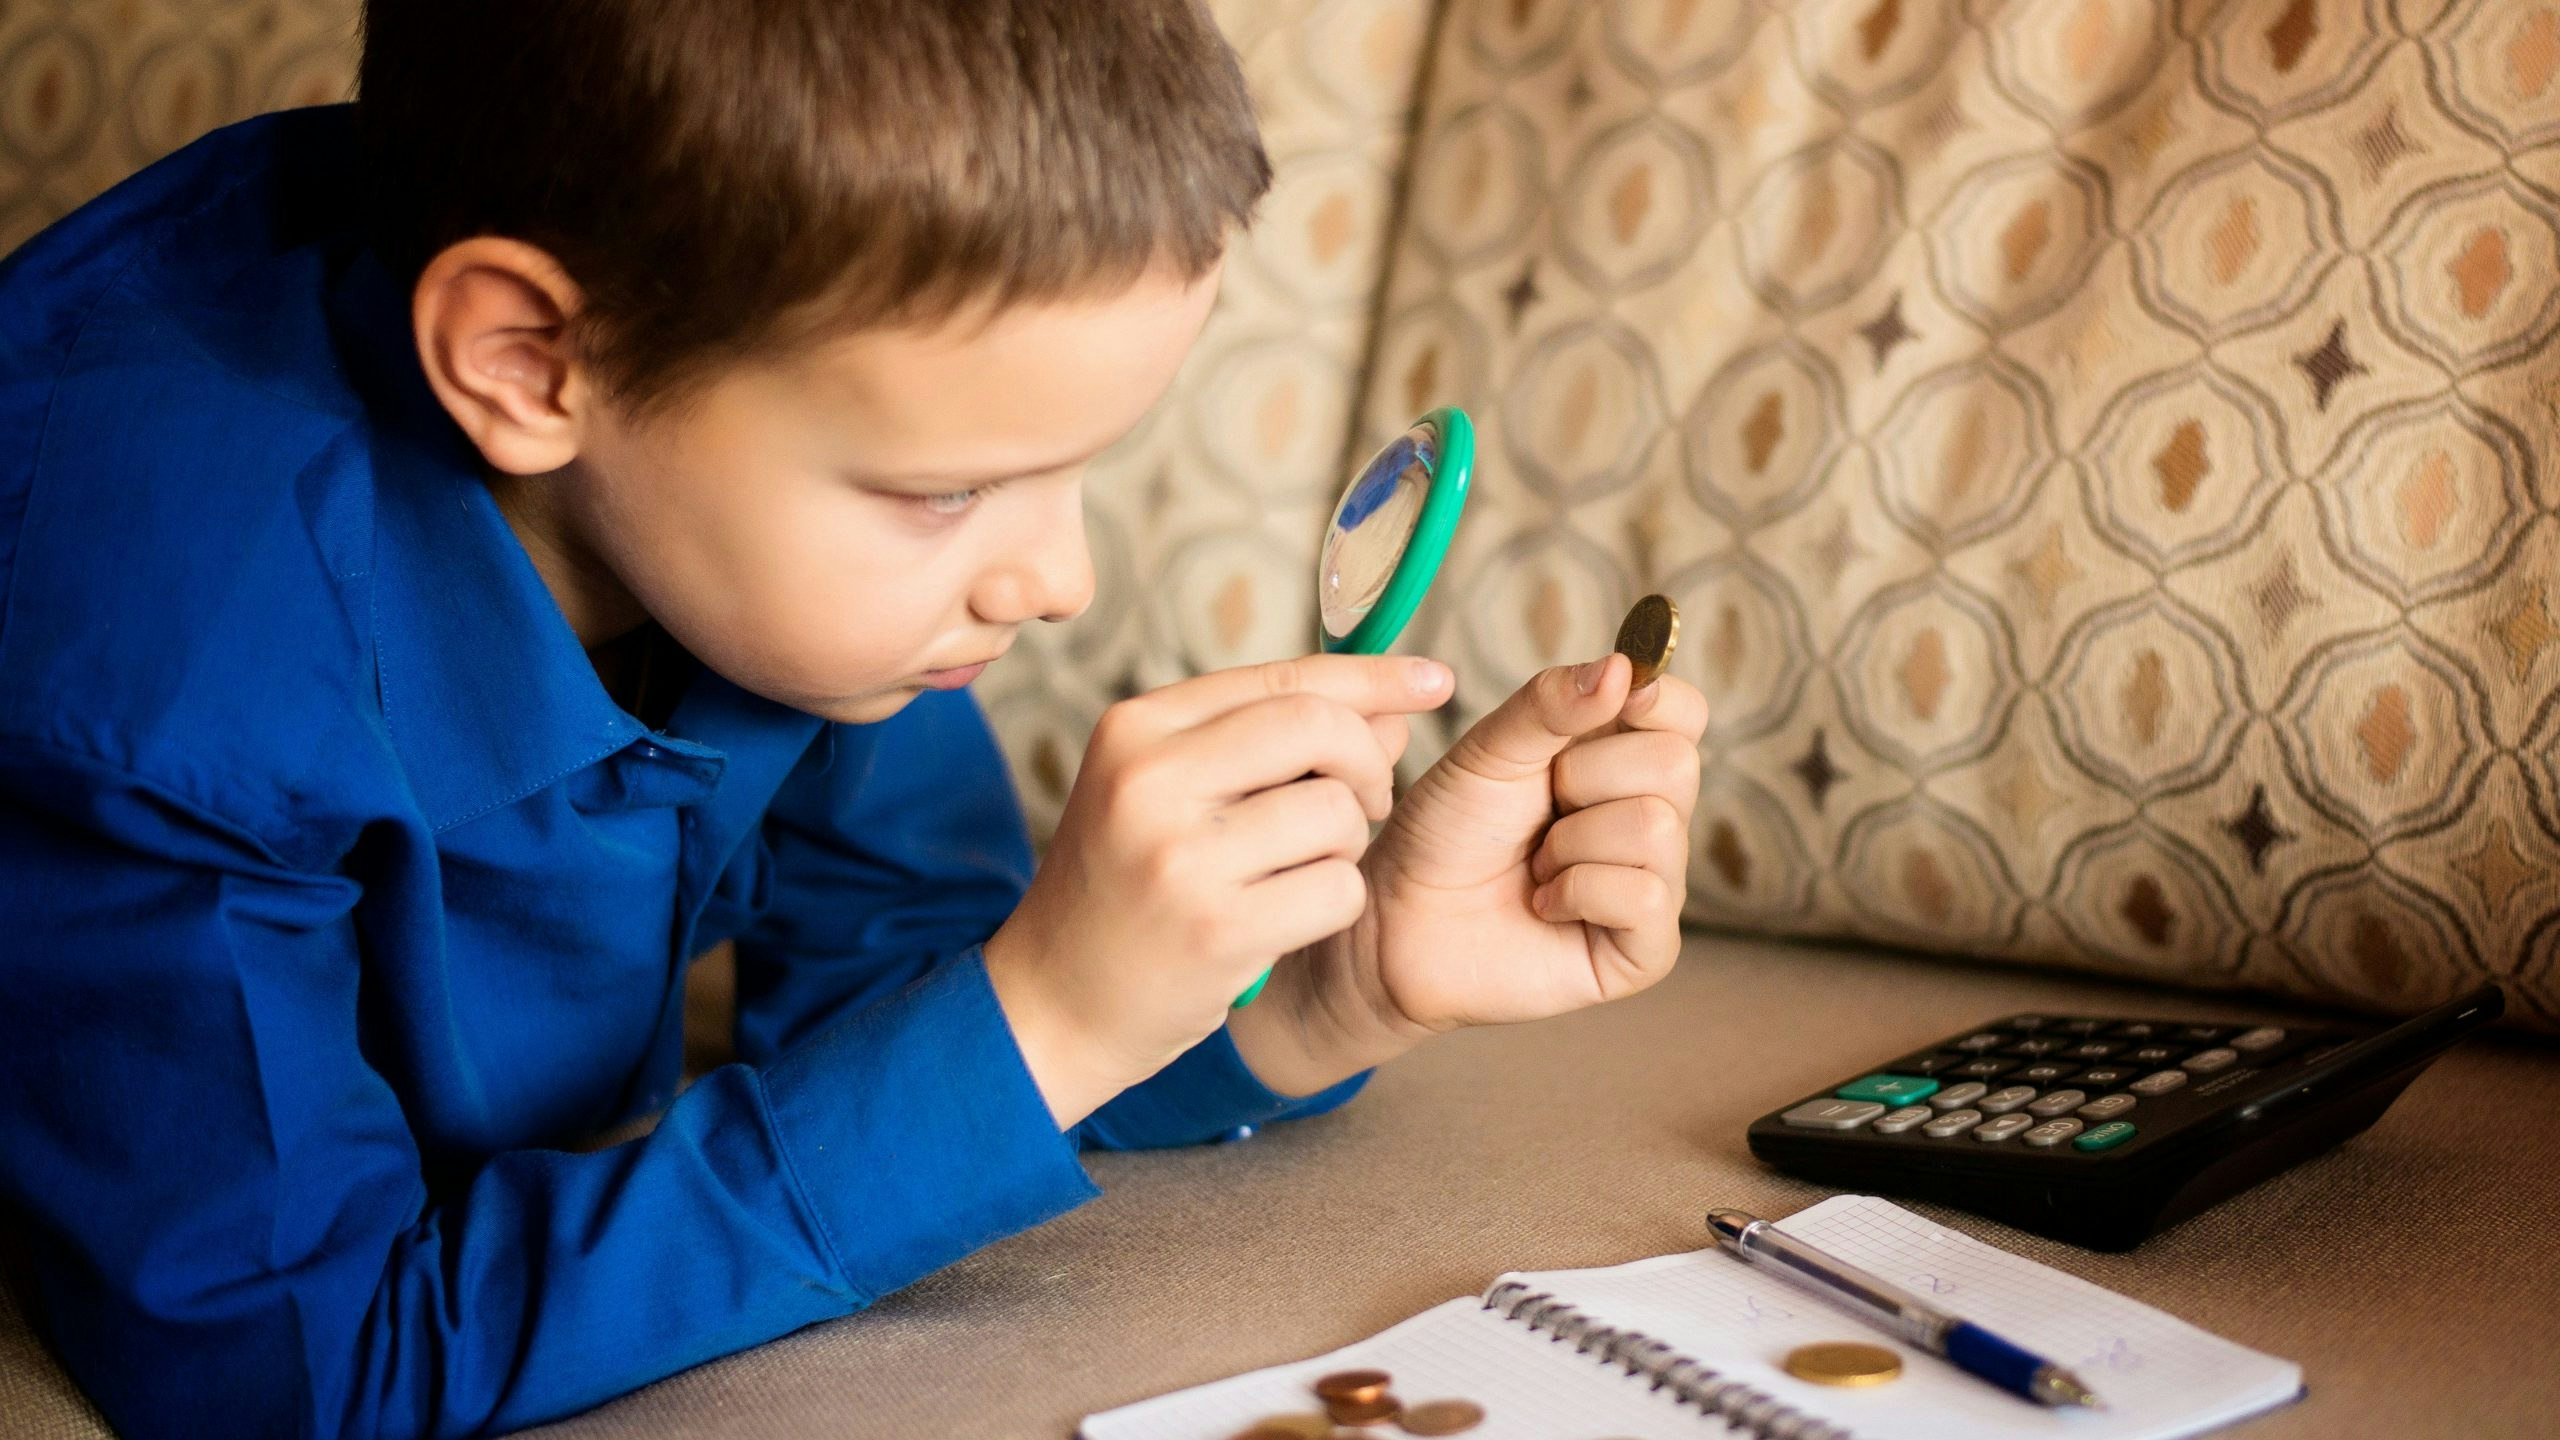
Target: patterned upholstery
point(92, 90)
point(2099, 446)
point(2101, 449)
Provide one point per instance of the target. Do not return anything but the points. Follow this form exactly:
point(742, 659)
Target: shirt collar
point(485, 690)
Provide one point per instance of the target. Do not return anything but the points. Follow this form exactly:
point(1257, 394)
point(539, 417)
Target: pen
point(1965, 1345)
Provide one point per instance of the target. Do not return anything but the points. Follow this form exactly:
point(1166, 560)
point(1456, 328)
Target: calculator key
point(2001, 1102)
point(2107, 1107)
point(2105, 1137)
point(2207, 1061)
point(2034, 1046)
point(1986, 1040)
point(2095, 1049)
point(2141, 1030)
point(1891, 1089)
point(1956, 1097)
point(2265, 1037)
point(1985, 1068)
point(1902, 1119)
point(1829, 1114)
point(2080, 1027)
point(2158, 1082)
point(2106, 1077)
point(2152, 1054)
point(2004, 1127)
point(2053, 1132)
point(1929, 1063)
point(1953, 1123)
point(2044, 1074)
point(2202, 1034)
point(2060, 1102)
point(2027, 1022)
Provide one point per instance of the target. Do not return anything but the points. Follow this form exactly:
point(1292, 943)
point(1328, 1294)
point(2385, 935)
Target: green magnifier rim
point(1420, 562)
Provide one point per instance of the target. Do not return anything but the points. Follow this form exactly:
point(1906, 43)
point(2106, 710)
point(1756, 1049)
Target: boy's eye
point(952, 503)
point(955, 502)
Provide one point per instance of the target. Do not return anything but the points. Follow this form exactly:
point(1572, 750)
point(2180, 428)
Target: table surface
point(1603, 1137)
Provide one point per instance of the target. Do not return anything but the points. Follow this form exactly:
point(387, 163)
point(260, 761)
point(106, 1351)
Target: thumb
point(1526, 732)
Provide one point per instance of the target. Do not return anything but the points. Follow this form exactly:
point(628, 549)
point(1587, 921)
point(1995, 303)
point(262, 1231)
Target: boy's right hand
point(1216, 825)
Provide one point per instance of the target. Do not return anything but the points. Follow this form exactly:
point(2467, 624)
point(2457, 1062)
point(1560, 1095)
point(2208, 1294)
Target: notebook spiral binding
point(1741, 1406)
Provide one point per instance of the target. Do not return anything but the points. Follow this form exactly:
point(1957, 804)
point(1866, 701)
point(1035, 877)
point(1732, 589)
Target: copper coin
point(1647, 636)
point(1442, 1417)
point(1354, 1385)
point(1307, 1426)
point(1364, 1412)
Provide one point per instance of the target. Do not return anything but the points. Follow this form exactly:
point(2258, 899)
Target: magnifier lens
point(1372, 526)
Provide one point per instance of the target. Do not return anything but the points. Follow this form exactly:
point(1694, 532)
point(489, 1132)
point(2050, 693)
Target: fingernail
point(1428, 677)
point(1586, 678)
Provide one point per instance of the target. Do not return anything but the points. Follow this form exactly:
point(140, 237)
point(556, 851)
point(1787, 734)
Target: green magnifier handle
point(1450, 454)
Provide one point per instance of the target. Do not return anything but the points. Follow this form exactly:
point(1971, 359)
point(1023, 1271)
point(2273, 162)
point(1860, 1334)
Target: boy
point(463, 555)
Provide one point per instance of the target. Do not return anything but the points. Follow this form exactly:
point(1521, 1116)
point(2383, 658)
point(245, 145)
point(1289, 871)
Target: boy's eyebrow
point(977, 475)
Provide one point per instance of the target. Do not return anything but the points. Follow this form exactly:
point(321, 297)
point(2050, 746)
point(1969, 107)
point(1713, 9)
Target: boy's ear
point(492, 319)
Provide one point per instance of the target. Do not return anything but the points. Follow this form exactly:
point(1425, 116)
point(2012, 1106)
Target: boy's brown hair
point(726, 177)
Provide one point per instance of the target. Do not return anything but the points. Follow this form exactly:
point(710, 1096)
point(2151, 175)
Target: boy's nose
point(1049, 578)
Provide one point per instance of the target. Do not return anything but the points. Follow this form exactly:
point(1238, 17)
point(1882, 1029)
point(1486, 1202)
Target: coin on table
point(1375, 1411)
point(1843, 1362)
point(1308, 1426)
point(1354, 1385)
point(1442, 1417)
point(1647, 636)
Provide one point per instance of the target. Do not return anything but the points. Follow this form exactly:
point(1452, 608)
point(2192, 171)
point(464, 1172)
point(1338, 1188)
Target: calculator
point(2104, 1130)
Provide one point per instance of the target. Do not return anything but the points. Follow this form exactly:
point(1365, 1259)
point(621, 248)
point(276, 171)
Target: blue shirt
point(336, 893)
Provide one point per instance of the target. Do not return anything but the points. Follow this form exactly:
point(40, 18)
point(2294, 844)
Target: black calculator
point(2103, 1131)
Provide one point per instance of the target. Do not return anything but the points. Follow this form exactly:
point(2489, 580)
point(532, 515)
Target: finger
point(1640, 910)
point(1645, 832)
point(1669, 703)
point(1557, 706)
point(1394, 733)
point(1635, 762)
point(1285, 827)
point(1297, 908)
point(1276, 742)
point(1368, 684)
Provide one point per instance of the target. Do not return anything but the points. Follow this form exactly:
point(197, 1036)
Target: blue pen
point(1967, 1346)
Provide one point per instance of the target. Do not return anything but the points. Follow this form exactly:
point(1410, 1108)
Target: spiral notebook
point(1689, 1346)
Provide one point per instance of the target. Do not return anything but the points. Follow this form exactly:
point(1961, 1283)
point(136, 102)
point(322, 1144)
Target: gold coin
point(1289, 1427)
point(1442, 1417)
point(1647, 636)
point(1364, 1412)
point(1843, 1362)
point(1354, 1385)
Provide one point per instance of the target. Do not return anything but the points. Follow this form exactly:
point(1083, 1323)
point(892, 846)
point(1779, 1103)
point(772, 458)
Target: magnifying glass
point(1385, 541)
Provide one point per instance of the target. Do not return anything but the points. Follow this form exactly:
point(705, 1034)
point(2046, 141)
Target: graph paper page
point(2159, 1375)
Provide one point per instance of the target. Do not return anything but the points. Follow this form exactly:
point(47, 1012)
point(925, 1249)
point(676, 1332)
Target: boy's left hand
point(1538, 868)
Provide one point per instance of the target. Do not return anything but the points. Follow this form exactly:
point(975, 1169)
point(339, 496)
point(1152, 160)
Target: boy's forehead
point(1020, 389)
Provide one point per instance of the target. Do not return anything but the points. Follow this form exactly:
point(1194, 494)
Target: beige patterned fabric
point(2101, 450)
point(93, 90)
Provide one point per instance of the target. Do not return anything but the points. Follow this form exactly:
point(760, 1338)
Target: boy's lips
point(959, 675)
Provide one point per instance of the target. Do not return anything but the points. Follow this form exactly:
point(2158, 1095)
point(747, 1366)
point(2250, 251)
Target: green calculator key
point(2107, 1136)
point(1890, 1089)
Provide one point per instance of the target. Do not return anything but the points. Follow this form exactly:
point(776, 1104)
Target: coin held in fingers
point(1647, 637)
point(1844, 1363)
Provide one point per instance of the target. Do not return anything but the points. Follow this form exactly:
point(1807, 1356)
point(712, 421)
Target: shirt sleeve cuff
point(916, 1132)
point(1207, 1093)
